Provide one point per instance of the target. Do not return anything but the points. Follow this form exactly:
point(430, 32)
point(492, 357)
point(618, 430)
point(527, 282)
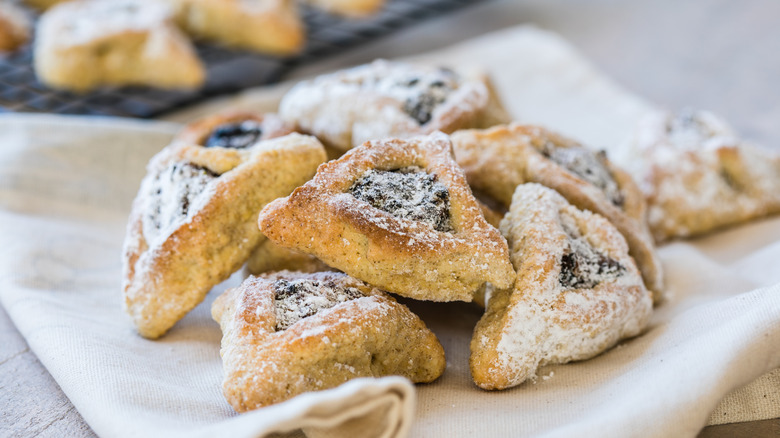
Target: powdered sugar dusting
point(172, 197)
point(689, 130)
point(87, 21)
point(421, 91)
point(667, 140)
point(296, 299)
point(697, 175)
point(380, 100)
point(548, 322)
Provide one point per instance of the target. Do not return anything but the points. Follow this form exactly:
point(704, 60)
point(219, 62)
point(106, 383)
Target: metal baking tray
point(228, 70)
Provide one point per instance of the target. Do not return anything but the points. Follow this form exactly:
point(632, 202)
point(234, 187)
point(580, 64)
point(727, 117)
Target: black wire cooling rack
point(228, 70)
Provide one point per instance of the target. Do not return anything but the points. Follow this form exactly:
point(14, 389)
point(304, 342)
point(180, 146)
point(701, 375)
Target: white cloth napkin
point(66, 184)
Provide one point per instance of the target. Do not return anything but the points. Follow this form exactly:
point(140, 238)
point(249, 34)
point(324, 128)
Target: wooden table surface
point(717, 54)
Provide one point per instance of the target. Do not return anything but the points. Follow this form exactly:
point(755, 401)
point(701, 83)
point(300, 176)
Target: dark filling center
point(298, 299)
point(406, 193)
point(235, 135)
point(580, 271)
point(426, 93)
point(589, 166)
point(584, 267)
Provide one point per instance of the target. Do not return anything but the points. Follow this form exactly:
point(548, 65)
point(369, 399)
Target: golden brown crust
point(406, 257)
point(498, 159)
point(542, 321)
point(371, 336)
point(170, 263)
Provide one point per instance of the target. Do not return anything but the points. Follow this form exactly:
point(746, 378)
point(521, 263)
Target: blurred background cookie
point(268, 26)
point(90, 43)
point(14, 27)
point(43, 4)
point(348, 8)
point(699, 176)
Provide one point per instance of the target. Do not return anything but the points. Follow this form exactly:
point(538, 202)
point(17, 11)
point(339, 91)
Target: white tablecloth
point(66, 185)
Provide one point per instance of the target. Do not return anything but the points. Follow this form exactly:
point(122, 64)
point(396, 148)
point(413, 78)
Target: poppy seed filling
point(587, 165)
point(426, 92)
point(583, 266)
point(237, 135)
point(295, 300)
point(406, 193)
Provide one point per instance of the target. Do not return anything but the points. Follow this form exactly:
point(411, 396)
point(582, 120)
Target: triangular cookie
point(193, 222)
point(397, 214)
point(698, 176)
point(290, 333)
point(90, 43)
point(577, 292)
point(496, 160)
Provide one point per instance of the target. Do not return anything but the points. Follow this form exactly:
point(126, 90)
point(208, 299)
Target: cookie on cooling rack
point(386, 99)
point(698, 176)
point(194, 220)
point(290, 333)
point(348, 8)
point(267, 26)
point(14, 27)
point(397, 214)
point(85, 44)
point(497, 160)
point(577, 292)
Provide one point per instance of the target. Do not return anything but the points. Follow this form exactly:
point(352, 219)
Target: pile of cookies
point(83, 44)
point(555, 245)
